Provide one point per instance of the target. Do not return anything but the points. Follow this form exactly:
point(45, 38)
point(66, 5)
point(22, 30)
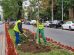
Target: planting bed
point(30, 47)
point(28, 44)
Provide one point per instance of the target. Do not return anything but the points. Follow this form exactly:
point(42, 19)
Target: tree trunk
point(19, 15)
point(71, 13)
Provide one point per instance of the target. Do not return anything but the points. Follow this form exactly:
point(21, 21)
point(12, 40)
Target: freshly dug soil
point(28, 44)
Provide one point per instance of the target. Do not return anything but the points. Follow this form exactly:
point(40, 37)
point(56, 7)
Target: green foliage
point(58, 9)
point(13, 8)
point(33, 11)
point(66, 5)
point(12, 34)
point(10, 8)
point(54, 52)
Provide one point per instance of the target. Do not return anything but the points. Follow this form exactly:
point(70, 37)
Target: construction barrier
point(10, 48)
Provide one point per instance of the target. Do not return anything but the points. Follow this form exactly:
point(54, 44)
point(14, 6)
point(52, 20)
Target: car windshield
point(55, 22)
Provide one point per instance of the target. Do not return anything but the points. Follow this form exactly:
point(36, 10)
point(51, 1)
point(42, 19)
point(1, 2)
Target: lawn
point(56, 50)
point(12, 34)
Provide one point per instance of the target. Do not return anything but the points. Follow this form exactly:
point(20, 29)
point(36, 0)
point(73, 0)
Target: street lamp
point(62, 10)
point(52, 10)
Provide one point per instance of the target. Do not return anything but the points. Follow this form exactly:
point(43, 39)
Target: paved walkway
point(2, 39)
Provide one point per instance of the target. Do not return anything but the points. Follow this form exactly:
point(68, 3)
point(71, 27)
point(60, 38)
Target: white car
point(33, 22)
point(1, 22)
point(68, 25)
point(47, 23)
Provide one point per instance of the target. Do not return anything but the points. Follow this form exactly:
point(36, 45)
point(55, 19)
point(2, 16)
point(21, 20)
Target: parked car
point(47, 23)
point(56, 24)
point(27, 22)
point(1, 22)
point(33, 22)
point(68, 25)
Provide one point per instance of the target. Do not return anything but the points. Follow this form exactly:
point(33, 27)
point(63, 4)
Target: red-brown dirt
point(28, 44)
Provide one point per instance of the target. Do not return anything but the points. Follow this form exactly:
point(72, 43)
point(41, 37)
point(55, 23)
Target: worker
point(18, 29)
point(40, 30)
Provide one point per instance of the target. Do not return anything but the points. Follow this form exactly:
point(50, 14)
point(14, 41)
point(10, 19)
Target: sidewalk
point(2, 39)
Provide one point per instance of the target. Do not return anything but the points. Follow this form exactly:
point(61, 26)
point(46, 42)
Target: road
point(2, 39)
point(64, 36)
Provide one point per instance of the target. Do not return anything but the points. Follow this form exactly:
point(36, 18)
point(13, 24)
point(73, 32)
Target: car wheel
point(55, 26)
point(50, 26)
point(62, 28)
point(70, 28)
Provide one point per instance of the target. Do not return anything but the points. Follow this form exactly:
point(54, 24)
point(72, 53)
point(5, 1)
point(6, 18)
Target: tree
point(45, 9)
point(32, 10)
point(58, 9)
point(12, 8)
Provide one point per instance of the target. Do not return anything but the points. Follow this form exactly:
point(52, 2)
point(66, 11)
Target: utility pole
point(62, 10)
point(52, 10)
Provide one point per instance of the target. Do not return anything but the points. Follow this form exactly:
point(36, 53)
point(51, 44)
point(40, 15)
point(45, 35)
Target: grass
point(55, 51)
point(12, 34)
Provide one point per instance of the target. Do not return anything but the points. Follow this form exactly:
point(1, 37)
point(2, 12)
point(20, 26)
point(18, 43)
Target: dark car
point(27, 22)
point(56, 24)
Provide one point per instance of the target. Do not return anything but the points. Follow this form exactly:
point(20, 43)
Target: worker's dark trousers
point(17, 37)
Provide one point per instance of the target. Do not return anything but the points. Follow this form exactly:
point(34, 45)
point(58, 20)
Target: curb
point(56, 43)
point(10, 48)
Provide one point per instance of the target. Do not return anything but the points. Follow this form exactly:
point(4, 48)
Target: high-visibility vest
point(16, 26)
point(40, 26)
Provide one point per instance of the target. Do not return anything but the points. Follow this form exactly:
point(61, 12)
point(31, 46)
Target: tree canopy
point(11, 8)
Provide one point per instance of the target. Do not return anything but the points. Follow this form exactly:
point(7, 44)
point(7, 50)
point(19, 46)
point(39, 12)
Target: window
point(69, 22)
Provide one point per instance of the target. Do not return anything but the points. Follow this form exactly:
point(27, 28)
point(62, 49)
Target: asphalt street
point(66, 37)
point(2, 39)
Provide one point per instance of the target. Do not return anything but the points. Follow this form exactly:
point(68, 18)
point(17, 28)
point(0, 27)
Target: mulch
point(28, 44)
